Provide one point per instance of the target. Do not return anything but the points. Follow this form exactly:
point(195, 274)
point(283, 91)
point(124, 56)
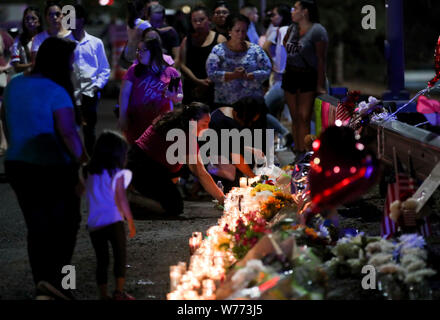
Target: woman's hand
point(239, 73)
point(320, 90)
point(131, 229)
point(250, 76)
point(204, 82)
point(174, 95)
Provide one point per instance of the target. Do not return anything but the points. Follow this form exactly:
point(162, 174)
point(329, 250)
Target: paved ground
point(157, 245)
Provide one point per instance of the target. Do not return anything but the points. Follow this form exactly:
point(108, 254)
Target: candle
point(174, 279)
point(208, 289)
point(191, 295)
point(243, 182)
point(182, 266)
point(175, 295)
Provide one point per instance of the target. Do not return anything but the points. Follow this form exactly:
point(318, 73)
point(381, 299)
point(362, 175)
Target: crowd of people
point(223, 74)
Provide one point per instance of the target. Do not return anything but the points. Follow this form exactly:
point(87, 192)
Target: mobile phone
point(174, 84)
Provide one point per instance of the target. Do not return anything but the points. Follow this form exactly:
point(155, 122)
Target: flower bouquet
point(246, 235)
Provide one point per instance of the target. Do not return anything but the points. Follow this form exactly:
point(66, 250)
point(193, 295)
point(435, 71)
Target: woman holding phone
point(149, 89)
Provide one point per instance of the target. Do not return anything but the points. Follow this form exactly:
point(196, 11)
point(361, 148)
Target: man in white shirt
point(91, 72)
point(55, 28)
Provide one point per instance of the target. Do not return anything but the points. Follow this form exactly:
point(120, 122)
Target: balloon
point(437, 66)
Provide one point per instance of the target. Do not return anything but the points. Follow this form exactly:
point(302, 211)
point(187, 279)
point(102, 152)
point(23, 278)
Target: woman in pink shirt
point(144, 92)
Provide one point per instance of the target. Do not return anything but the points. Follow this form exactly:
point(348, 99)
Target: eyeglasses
point(221, 13)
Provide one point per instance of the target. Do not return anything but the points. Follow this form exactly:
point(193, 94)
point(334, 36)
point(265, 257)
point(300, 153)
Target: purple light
point(368, 172)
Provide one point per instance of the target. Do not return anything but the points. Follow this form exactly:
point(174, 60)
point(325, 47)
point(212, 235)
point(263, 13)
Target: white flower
point(409, 241)
point(390, 268)
point(418, 276)
point(416, 265)
point(323, 232)
point(380, 259)
point(413, 252)
point(372, 101)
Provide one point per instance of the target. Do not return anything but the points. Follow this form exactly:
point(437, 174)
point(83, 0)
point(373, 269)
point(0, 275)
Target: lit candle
point(243, 182)
point(175, 295)
point(174, 279)
point(208, 289)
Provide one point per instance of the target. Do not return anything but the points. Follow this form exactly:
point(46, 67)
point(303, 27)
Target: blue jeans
point(274, 99)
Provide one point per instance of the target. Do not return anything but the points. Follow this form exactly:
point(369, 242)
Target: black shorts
point(304, 81)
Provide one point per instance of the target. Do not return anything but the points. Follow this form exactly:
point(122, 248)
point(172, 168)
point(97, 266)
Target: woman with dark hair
point(42, 161)
point(220, 13)
point(246, 113)
point(194, 52)
point(128, 56)
point(31, 25)
point(145, 90)
point(237, 67)
point(154, 164)
point(306, 43)
point(54, 16)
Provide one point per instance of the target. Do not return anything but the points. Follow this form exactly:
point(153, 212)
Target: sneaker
point(49, 289)
point(117, 295)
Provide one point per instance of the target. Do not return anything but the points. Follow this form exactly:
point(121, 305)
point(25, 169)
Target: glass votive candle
point(243, 182)
point(182, 266)
point(208, 289)
point(175, 295)
point(175, 277)
point(191, 295)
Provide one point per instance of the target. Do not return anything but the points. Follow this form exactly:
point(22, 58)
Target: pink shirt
point(147, 100)
point(155, 145)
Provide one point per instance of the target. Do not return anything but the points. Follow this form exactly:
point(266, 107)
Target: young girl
point(108, 206)
point(144, 91)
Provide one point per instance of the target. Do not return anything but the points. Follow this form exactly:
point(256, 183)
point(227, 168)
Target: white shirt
point(39, 38)
point(279, 60)
point(100, 193)
point(91, 68)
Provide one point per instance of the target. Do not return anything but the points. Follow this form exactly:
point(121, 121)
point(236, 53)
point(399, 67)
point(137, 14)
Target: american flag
point(342, 114)
point(403, 188)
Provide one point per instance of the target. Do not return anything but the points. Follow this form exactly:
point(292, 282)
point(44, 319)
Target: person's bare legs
point(304, 117)
point(103, 294)
point(120, 282)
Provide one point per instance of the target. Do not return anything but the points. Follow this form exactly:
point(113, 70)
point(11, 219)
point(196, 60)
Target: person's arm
point(286, 37)
point(206, 180)
point(264, 67)
point(64, 119)
point(268, 47)
point(321, 52)
point(221, 38)
point(3, 120)
point(20, 67)
point(103, 73)
point(124, 97)
point(239, 162)
point(123, 206)
point(134, 36)
point(175, 52)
